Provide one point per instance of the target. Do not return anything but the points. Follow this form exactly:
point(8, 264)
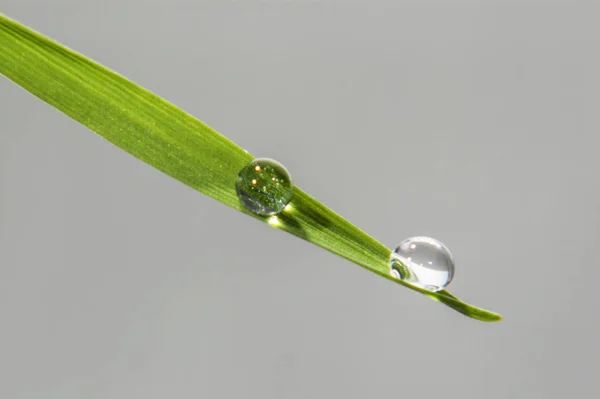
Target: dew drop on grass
point(264, 186)
point(423, 262)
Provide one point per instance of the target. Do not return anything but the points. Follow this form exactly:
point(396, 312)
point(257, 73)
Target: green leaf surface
point(164, 136)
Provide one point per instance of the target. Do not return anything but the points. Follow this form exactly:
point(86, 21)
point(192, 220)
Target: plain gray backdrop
point(475, 122)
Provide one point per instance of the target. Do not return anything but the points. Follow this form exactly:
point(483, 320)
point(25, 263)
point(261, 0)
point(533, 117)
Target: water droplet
point(423, 262)
point(264, 186)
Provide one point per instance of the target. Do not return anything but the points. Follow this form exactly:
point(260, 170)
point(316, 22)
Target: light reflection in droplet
point(429, 266)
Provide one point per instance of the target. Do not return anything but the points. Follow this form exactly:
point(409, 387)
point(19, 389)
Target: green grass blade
point(176, 143)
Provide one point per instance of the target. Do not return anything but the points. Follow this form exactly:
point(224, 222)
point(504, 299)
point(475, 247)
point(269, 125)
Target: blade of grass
point(178, 144)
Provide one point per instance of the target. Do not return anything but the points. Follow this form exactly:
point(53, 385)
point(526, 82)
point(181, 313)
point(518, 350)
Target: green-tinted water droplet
point(423, 262)
point(264, 186)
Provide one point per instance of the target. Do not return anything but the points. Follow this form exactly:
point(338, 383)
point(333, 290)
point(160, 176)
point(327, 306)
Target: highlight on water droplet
point(264, 186)
point(423, 262)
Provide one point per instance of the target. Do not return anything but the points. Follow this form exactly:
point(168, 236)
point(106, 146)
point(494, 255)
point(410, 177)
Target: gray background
point(472, 122)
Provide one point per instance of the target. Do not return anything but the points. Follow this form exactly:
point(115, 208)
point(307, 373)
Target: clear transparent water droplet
point(264, 186)
point(423, 262)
